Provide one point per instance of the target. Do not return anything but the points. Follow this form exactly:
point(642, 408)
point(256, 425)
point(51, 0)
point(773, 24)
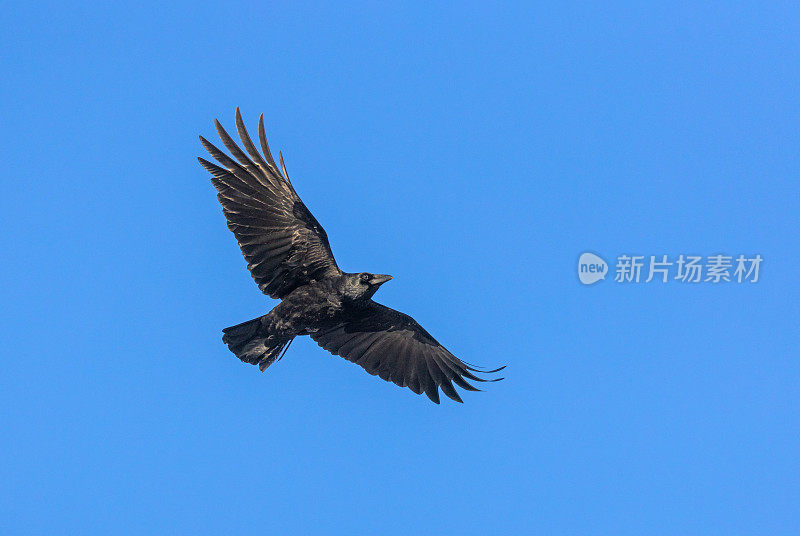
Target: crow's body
point(290, 258)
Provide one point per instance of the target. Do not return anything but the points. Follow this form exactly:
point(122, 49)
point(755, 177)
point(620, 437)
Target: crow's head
point(363, 285)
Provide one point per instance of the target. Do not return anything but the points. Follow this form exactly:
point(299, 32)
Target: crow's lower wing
point(284, 245)
point(396, 348)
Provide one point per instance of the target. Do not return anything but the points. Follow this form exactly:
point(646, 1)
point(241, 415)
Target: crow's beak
point(379, 279)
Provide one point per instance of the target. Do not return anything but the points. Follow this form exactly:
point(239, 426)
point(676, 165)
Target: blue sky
point(472, 152)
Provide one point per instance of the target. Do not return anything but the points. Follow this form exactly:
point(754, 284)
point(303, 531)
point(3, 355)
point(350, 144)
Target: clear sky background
point(473, 153)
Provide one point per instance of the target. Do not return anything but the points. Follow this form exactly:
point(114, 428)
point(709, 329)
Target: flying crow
point(288, 255)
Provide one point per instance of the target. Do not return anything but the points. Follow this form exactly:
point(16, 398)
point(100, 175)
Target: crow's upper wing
point(284, 245)
point(392, 345)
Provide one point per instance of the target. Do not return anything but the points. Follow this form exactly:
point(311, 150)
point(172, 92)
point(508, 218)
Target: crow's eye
point(364, 277)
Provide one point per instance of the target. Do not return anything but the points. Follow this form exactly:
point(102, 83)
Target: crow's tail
point(252, 343)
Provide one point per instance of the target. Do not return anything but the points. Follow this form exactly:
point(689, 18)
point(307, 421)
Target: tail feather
point(252, 343)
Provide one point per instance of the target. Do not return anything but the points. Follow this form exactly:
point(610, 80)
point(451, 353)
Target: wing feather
point(394, 346)
point(262, 138)
point(248, 143)
point(284, 245)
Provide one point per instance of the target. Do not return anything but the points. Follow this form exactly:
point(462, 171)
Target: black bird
point(288, 255)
